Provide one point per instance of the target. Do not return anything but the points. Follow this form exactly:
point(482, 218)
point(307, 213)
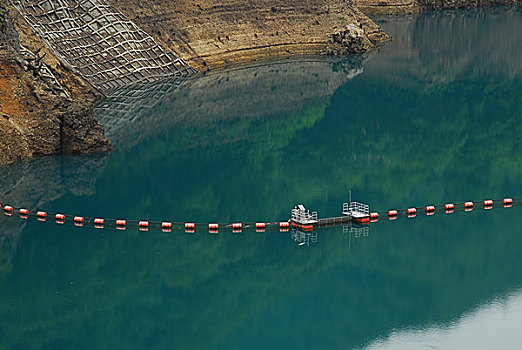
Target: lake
point(432, 117)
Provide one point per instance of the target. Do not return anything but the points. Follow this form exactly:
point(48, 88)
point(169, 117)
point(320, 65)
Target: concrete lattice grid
point(98, 42)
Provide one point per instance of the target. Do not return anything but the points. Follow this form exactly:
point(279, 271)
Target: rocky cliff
point(38, 116)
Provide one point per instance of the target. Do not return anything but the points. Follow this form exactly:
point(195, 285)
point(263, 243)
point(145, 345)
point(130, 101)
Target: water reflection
point(210, 151)
point(450, 46)
point(303, 238)
point(236, 98)
point(34, 183)
point(125, 106)
point(493, 326)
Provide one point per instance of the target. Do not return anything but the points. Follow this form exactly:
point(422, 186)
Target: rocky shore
point(210, 34)
point(38, 115)
point(46, 107)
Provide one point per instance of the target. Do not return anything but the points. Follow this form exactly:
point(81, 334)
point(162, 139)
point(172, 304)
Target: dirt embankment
point(40, 115)
point(218, 33)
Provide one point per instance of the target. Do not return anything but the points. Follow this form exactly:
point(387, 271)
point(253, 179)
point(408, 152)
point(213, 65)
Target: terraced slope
point(216, 33)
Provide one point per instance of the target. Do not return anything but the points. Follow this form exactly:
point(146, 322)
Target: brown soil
point(34, 121)
point(23, 119)
point(219, 33)
point(34, 118)
point(370, 7)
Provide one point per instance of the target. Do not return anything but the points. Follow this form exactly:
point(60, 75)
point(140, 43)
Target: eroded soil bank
point(212, 34)
point(38, 116)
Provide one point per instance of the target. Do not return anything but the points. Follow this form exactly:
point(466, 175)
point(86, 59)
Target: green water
point(432, 117)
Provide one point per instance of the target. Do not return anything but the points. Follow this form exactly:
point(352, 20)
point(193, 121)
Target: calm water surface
point(434, 116)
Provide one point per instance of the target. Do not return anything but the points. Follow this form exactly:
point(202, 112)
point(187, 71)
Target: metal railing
point(356, 207)
point(299, 215)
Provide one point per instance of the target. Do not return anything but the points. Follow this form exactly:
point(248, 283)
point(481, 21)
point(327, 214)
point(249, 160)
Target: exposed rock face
point(350, 39)
point(218, 33)
point(8, 34)
point(36, 118)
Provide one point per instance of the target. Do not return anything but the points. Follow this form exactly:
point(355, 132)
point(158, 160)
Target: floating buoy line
point(238, 227)
point(447, 208)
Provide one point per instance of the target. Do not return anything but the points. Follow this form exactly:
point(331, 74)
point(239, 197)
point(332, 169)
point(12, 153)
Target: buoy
point(237, 226)
point(507, 201)
point(392, 212)
point(488, 202)
point(284, 224)
point(41, 214)
point(24, 213)
point(363, 220)
point(374, 215)
point(260, 226)
point(468, 204)
point(8, 208)
point(430, 208)
point(213, 226)
point(77, 219)
point(411, 211)
point(190, 225)
point(59, 217)
point(143, 224)
point(121, 222)
point(449, 206)
point(99, 221)
point(166, 225)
